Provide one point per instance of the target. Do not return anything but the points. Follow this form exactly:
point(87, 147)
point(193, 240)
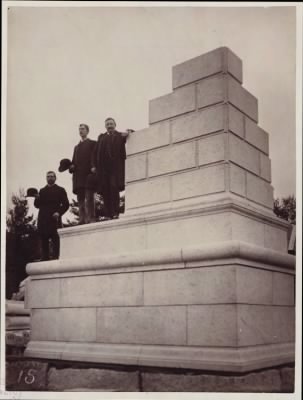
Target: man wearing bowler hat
point(83, 181)
point(52, 202)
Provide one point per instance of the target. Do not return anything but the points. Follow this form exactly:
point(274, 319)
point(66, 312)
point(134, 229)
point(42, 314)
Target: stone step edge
point(202, 358)
point(216, 251)
point(179, 209)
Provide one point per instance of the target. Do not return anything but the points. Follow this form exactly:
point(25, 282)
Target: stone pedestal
point(196, 274)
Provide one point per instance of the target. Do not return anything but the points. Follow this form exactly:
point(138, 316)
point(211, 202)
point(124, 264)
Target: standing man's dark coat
point(51, 199)
point(82, 160)
point(52, 202)
point(109, 159)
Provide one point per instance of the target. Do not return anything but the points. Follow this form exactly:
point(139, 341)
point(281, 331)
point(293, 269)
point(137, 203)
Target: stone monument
point(196, 274)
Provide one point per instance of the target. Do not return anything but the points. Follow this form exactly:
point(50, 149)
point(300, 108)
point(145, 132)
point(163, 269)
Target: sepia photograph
point(151, 165)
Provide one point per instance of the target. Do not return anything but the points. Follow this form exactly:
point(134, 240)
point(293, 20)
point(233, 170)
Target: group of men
point(97, 167)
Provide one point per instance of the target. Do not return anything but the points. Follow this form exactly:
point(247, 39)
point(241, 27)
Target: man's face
point(110, 125)
point(83, 132)
point(51, 178)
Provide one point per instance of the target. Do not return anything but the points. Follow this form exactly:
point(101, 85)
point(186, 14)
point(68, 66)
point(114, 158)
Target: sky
point(80, 65)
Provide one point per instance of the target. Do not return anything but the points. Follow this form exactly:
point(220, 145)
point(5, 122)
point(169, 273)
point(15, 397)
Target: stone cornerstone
point(196, 274)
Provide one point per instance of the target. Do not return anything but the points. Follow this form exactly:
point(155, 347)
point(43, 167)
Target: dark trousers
point(111, 197)
point(86, 202)
point(45, 245)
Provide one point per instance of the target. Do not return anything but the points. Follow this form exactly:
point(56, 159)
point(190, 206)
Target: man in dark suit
point(109, 165)
point(52, 202)
point(81, 169)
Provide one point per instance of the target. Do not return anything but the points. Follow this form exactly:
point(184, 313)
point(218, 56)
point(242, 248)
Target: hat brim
point(64, 164)
point(62, 169)
point(31, 192)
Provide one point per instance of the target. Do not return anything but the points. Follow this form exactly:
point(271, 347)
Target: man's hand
point(94, 170)
point(56, 215)
point(127, 132)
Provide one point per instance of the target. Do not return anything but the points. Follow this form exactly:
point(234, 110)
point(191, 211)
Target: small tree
point(18, 221)
point(285, 208)
point(22, 242)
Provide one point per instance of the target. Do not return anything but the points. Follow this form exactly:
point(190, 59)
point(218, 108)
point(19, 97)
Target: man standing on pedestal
point(109, 165)
point(81, 169)
point(52, 202)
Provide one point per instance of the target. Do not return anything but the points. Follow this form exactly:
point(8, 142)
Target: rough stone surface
point(287, 379)
point(92, 378)
point(266, 381)
point(32, 375)
point(26, 375)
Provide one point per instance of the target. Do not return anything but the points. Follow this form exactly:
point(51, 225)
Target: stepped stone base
point(225, 307)
point(202, 220)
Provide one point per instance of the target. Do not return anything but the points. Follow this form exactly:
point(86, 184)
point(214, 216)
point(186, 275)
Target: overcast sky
point(72, 65)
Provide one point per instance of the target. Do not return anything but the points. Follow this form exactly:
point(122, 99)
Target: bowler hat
point(64, 164)
point(31, 192)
